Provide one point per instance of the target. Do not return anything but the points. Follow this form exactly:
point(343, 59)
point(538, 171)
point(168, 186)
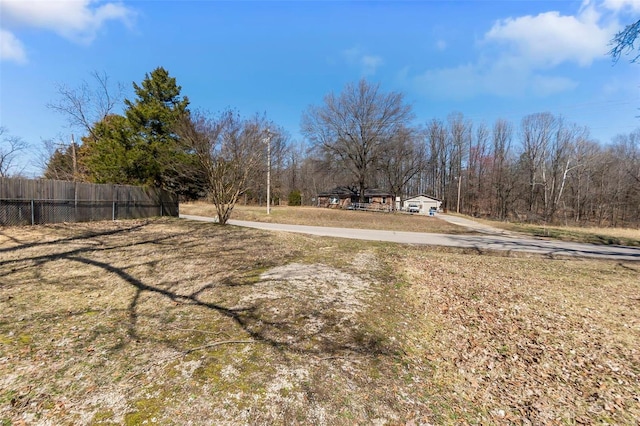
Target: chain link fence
point(37, 212)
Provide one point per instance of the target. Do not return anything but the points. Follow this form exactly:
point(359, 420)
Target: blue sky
point(486, 59)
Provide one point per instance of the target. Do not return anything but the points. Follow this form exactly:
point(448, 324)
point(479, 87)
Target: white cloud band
point(76, 20)
point(549, 39)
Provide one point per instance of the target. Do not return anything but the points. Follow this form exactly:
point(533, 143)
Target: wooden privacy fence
point(32, 202)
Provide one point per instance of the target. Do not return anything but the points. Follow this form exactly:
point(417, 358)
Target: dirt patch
point(306, 293)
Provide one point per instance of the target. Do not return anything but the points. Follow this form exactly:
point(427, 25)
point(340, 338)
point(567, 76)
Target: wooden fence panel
point(28, 201)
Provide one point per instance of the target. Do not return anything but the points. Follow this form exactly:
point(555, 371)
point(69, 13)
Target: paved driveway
point(472, 225)
point(510, 243)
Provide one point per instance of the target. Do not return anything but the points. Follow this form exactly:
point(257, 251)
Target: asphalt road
point(487, 241)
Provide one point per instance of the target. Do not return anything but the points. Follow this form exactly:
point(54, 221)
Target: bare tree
point(294, 177)
point(536, 133)
point(89, 103)
point(229, 150)
point(302, 174)
point(502, 178)
point(625, 151)
point(459, 130)
point(315, 179)
point(355, 128)
point(624, 42)
point(630, 145)
point(10, 149)
point(561, 160)
point(438, 158)
point(404, 158)
point(62, 162)
point(477, 199)
point(279, 158)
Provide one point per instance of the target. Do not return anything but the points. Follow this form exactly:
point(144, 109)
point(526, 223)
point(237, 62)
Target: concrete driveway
point(509, 243)
point(472, 225)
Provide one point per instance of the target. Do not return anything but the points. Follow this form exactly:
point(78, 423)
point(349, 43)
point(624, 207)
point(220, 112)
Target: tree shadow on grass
point(550, 248)
point(329, 336)
point(83, 236)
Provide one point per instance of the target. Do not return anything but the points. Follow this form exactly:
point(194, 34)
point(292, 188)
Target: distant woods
point(540, 169)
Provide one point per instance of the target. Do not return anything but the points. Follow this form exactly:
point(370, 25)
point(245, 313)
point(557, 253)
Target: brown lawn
point(332, 217)
point(173, 322)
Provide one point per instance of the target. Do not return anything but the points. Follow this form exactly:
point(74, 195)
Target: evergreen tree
point(108, 153)
point(295, 198)
point(62, 165)
point(152, 116)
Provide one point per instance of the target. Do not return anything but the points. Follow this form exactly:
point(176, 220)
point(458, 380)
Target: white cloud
point(619, 5)
point(520, 56)
point(11, 49)
point(546, 85)
point(549, 39)
point(76, 20)
point(441, 45)
point(368, 64)
point(499, 79)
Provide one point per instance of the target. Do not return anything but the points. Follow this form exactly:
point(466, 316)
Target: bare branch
point(10, 149)
point(355, 127)
point(87, 104)
point(228, 151)
point(624, 42)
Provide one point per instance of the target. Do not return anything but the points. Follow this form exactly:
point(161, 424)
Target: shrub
point(295, 198)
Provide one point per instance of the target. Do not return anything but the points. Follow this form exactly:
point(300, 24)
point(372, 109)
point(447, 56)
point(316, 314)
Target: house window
point(334, 200)
point(384, 200)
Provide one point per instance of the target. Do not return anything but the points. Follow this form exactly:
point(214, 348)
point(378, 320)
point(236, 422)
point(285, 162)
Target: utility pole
point(268, 141)
point(74, 158)
point(459, 182)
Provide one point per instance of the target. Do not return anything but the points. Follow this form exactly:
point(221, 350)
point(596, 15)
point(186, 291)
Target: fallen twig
point(217, 333)
point(222, 342)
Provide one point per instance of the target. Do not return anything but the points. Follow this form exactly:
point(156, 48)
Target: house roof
point(345, 191)
point(422, 195)
point(373, 192)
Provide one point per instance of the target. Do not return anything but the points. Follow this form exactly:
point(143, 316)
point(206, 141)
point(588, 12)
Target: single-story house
point(345, 197)
point(339, 197)
point(421, 204)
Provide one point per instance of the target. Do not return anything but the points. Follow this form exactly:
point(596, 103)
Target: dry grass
point(333, 218)
point(528, 341)
point(174, 322)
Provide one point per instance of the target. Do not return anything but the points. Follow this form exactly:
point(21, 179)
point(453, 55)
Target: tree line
point(541, 169)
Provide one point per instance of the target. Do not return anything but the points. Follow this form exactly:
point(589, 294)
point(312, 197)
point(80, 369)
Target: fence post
point(113, 211)
point(75, 190)
point(161, 208)
point(33, 213)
